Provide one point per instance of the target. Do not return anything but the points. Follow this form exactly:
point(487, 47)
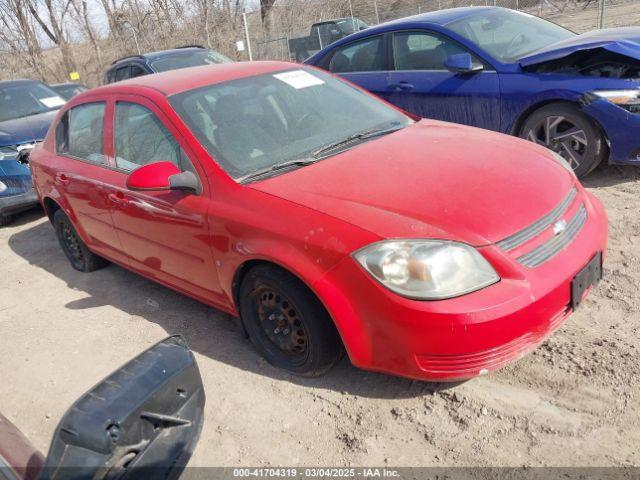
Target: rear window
point(79, 132)
point(188, 58)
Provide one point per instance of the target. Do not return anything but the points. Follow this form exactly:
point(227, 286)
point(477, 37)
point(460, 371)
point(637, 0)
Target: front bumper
point(467, 336)
point(12, 204)
point(621, 127)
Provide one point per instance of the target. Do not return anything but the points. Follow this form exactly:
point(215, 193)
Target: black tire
point(5, 220)
point(564, 129)
point(286, 323)
point(80, 257)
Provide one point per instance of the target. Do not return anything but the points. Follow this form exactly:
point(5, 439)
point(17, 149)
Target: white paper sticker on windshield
point(51, 102)
point(299, 79)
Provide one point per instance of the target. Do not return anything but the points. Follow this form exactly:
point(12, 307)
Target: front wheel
point(565, 130)
point(286, 322)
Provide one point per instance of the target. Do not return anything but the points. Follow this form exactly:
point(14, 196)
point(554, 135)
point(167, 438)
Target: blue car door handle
point(401, 86)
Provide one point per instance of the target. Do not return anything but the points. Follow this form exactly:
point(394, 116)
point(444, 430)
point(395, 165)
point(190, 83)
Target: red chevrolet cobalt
point(325, 218)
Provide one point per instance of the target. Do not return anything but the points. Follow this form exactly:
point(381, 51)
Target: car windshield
point(260, 122)
point(25, 99)
point(69, 90)
point(188, 58)
point(508, 35)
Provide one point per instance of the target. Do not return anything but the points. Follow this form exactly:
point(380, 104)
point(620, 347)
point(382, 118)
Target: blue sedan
point(495, 68)
point(27, 108)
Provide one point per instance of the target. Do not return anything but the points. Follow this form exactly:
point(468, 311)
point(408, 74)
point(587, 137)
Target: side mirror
point(462, 63)
point(162, 176)
point(143, 421)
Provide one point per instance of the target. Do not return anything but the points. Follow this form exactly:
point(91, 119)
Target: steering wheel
point(515, 41)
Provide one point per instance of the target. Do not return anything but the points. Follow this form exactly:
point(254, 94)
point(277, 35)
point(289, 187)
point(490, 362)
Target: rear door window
point(79, 133)
point(362, 56)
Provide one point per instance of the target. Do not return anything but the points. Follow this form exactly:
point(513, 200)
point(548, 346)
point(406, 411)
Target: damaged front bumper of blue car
point(16, 189)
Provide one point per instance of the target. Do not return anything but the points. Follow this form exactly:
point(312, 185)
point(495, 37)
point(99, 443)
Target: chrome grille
point(544, 252)
point(538, 226)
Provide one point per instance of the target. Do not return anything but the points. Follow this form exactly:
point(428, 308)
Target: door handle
point(118, 198)
point(61, 178)
point(401, 86)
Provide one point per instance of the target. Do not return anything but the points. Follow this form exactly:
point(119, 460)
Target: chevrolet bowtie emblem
point(559, 227)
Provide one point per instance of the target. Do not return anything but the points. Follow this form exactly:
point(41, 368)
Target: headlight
point(563, 163)
point(7, 153)
point(3, 187)
point(627, 99)
point(427, 269)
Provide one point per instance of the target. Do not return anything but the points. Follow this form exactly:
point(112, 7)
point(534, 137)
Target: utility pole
point(600, 13)
point(246, 35)
point(353, 21)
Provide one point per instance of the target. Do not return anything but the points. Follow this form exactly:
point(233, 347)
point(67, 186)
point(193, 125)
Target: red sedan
point(326, 218)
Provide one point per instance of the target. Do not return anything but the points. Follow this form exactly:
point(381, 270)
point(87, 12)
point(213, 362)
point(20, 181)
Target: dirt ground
point(574, 401)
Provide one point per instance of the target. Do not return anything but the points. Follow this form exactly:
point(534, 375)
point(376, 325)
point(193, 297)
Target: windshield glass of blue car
point(26, 99)
point(257, 123)
point(508, 35)
point(188, 58)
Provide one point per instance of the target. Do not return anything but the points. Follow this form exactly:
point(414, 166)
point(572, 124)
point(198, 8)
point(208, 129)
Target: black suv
point(154, 62)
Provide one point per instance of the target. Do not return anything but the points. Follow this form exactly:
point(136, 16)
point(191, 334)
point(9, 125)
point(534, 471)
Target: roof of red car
point(177, 81)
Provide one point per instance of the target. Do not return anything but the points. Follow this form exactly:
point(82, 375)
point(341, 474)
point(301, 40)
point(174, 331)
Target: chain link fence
point(288, 33)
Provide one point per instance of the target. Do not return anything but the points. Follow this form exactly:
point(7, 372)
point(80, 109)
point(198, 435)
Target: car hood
point(13, 168)
point(432, 180)
point(25, 129)
point(623, 41)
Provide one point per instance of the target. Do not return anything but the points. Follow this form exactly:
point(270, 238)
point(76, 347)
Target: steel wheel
point(71, 243)
point(564, 129)
point(80, 257)
point(281, 322)
point(286, 322)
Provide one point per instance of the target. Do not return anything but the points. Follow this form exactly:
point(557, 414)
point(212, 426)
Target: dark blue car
point(578, 95)
point(27, 108)
point(182, 57)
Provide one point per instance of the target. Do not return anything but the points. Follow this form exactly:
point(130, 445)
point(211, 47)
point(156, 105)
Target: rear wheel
point(5, 220)
point(80, 257)
point(565, 130)
point(286, 322)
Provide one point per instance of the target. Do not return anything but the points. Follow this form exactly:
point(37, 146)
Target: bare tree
point(53, 26)
point(265, 14)
point(18, 35)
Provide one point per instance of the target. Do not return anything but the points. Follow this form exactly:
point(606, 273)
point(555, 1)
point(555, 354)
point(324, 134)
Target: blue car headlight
point(627, 99)
point(3, 187)
point(8, 153)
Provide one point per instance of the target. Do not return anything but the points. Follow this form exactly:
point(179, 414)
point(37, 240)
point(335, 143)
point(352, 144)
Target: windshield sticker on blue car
point(52, 102)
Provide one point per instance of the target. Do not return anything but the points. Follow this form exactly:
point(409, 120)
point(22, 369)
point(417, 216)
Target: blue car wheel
point(565, 130)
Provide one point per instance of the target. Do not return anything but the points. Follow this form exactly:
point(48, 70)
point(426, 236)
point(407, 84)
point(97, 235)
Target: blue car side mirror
point(462, 63)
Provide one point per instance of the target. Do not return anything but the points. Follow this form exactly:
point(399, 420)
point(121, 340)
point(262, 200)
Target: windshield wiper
point(376, 132)
point(318, 154)
point(29, 114)
point(301, 162)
